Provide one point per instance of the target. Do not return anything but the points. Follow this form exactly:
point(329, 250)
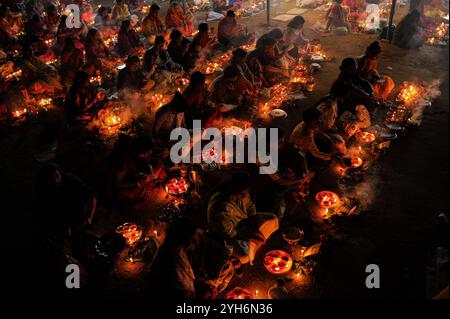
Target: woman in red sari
point(175, 16)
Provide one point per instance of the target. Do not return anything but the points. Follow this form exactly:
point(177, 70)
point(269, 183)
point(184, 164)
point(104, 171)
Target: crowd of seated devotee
point(160, 50)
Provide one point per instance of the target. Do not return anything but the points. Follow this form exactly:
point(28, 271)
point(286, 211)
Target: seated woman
point(383, 85)
point(81, 99)
point(71, 59)
point(196, 97)
point(64, 32)
point(157, 58)
point(177, 47)
point(266, 65)
point(175, 16)
point(305, 136)
point(238, 59)
point(232, 34)
point(169, 117)
point(131, 78)
point(351, 123)
point(10, 24)
point(37, 75)
point(361, 91)
point(232, 218)
point(203, 39)
point(228, 96)
point(329, 106)
point(59, 192)
point(281, 48)
point(152, 25)
point(337, 16)
point(51, 19)
point(407, 34)
point(294, 36)
point(98, 56)
point(292, 177)
point(123, 178)
point(128, 42)
point(120, 11)
point(171, 274)
point(202, 46)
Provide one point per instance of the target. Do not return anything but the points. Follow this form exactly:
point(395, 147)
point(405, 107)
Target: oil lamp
point(177, 186)
point(365, 137)
point(44, 102)
point(181, 82)
point(19, 113)
point(327, 199)
point(278, 262)
point(131, 232)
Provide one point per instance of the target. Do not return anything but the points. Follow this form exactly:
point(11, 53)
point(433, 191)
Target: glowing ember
point(19, 113)
point(131, 232)
point(365, 137)
point(409, 93)
point(112, 120)
point(278, 262)
point(327, 199)
point(239, 293)
point(177, 186)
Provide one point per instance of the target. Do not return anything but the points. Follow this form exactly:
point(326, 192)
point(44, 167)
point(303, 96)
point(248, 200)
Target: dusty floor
point(401, 231)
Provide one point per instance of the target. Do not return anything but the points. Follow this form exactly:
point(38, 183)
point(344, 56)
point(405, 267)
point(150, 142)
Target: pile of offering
point(131, 232)
point(278, 262)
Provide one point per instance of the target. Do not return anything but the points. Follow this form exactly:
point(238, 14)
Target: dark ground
point(401, 231)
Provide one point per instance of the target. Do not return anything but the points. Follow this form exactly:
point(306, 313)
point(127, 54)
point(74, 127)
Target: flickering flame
point(409, 93)
point(52, 61)
point(278, 261)
point(365, 137)
point(177, 186)
point(50, 42)
point(19, 113)
point(16, 74)
point(113, 120)
point(45, 102)
point(327, 199)
point(96, 80)
point(131, 232)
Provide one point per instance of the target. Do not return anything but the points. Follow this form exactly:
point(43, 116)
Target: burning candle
point(45, 102)
point(177, 186)
point(131, 232)
point(365, 137)
point(19, 113)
